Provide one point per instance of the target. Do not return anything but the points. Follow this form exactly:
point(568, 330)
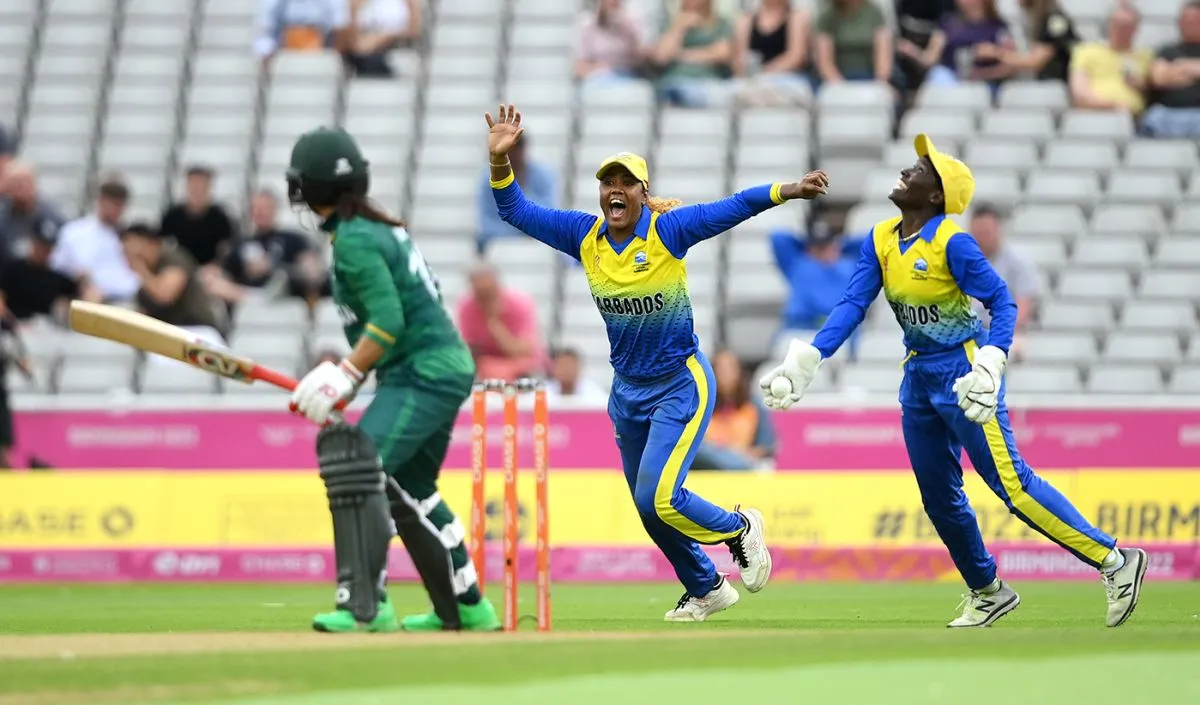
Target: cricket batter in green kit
point(384, 471)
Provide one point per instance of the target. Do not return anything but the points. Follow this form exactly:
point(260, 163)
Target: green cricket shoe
point(340, 621)
point(479, 617)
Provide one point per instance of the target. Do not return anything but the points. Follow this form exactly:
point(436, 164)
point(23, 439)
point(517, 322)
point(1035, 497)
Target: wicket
point(509, 392)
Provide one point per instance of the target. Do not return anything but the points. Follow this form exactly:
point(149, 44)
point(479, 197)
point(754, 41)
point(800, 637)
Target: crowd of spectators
point(777, 54)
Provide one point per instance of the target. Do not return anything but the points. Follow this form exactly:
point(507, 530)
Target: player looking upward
point(952, 394)
point(392, 309)
point(662, 395)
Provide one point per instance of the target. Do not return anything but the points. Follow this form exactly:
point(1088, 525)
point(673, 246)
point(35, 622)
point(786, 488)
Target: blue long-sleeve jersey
point(929, 282)
point(639, 285)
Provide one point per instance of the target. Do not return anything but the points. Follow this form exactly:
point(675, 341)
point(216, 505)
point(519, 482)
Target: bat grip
point(279, 379)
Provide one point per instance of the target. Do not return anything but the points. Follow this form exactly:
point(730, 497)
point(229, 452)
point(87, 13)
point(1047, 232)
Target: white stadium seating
point(147, 87)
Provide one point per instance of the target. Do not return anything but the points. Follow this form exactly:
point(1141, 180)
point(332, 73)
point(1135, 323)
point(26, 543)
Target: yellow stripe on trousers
point(1023, 502)
point(670, 473)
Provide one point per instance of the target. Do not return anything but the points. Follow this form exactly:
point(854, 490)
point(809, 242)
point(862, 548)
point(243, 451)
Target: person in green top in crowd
point(385, 468)
point(695, 54)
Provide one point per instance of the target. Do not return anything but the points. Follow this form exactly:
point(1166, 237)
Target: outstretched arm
point(560, 229)
point(864, 286)
point(685, 227)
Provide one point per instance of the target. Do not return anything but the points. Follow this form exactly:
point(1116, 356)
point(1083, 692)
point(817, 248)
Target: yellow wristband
point(503, 183)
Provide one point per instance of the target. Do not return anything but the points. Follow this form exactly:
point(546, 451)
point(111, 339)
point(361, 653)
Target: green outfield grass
point(836, 643)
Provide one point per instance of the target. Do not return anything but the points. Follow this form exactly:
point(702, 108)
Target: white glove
point(979, 390)
point(321, 390)
point(785, 385)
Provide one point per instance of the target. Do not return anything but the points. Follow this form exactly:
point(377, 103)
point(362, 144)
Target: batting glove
point(799, 366)
point(979, 390)
point(323, 388)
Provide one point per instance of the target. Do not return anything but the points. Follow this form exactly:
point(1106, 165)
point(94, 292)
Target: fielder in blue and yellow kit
point(952, 394)
point(663, 393)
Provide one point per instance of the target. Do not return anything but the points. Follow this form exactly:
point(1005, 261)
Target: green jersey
point(384, 290)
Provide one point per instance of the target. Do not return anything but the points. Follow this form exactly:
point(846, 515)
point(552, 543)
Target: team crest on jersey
point(920, 269)
point(641, 263)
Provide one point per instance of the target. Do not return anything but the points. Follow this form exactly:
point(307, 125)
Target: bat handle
point(281, 380)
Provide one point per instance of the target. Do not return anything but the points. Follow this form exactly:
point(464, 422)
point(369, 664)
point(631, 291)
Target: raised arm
point(690, 225)
point(864, 286)
point(977, 279)
point(561, 229)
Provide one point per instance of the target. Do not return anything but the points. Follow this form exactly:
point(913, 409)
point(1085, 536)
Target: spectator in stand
point(500, 325)
point(740, 435)
point(917, 21)
point(695, 53)
point(1051, 35)
point(23, 213)
point(169, 287)
point(1175, 79)
point(567, 381)
point(770, 51)
point(89, 248)
point(610, 43)
point(1112, 74)
point(967, 46)
point(199, 226)
point(854, 43)
point(271, 262)
point(817, 270)
point(298, 25)
point(29, 287)
point(536, 179)
point(373, 29)
point(1019, 272)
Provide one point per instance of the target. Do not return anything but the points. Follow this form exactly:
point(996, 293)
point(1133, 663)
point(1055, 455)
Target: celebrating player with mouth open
point(662, 395)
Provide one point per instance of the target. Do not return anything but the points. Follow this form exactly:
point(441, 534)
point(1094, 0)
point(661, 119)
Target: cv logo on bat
point(215, 362)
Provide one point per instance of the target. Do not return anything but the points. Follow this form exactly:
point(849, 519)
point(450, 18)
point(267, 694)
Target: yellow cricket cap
point(958, 184)
point(635, 164)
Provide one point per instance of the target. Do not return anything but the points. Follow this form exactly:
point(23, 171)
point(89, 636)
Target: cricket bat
point(148, 334)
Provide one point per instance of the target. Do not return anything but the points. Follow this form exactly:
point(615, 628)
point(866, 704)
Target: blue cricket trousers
point(658, 427)
point(935, 433)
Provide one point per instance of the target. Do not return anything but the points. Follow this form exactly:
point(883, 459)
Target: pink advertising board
point(575, 564)
point(809, 440)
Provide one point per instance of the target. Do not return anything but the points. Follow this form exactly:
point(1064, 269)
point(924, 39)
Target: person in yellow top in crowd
point(1112, 74)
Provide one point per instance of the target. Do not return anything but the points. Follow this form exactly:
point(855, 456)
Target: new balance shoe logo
point(1124, 591)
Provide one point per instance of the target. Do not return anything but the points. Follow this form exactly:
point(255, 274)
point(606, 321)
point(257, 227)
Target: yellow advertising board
point(283, 509)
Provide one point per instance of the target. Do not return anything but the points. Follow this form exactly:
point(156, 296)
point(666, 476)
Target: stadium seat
point(1036, 378)
point(1109, 125)
point(1125, 379)
point(1179, 155)
point(1076, 316)
point(1128, 219)
point(1169, 284)
point(1185, 380)
point(1089, 155)
point(1016, 155)
point(1061, 347)
point(1178, 252)
point(94, 377)
point(1033, 95)
point(1027, 124)
point(1111, 252)
point(1142, 347)
point(1177, 316)
point(1095, 284)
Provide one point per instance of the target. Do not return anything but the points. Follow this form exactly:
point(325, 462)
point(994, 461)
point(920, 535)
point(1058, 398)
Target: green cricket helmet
point(326, 163)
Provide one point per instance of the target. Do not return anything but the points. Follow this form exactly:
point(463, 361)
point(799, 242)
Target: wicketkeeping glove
point(799, 366)
point(979, 390)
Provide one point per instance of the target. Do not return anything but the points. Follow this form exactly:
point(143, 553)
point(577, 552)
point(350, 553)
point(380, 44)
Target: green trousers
point(411, 424)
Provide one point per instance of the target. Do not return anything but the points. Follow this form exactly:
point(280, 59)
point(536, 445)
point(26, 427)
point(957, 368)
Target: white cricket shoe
point(979, 610)
point(749, 550)
point(1124, 586)
point(698, 609)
